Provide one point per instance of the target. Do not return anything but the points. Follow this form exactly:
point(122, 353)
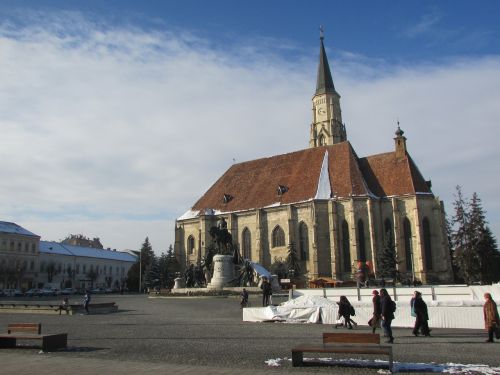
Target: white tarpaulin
point(316, 309)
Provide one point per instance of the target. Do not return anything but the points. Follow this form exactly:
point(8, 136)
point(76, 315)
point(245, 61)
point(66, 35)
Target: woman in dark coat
point(374, 322)
point(387, 312)
point(491, 319)
point(419, 308)
point(345, 311)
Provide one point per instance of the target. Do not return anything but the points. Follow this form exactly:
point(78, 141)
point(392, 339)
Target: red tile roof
point(254, 184)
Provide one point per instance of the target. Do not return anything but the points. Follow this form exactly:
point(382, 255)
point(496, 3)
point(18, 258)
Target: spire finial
point(399, 132)
point(321, 32)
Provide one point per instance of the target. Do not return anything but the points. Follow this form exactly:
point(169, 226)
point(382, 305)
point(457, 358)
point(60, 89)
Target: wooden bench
point(32, 331)
point(354, 343)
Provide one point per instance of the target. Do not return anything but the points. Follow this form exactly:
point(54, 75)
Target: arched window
point(278, 237)
point(190, 245)
point(322, 140)
point(408, 247)
point(427, 244)
point(346, 251)
point(246, 242)
point(361, 239)
point(387, 229)
point(303, 241)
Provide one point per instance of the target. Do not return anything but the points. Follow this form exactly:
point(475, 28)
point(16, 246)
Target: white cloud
point(114, 133)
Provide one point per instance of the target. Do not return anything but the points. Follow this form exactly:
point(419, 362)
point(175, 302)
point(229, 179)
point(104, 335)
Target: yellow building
point(333, 206)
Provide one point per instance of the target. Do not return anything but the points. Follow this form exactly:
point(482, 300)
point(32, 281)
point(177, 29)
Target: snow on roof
point(324, 188)
point(88, 252)
point(7, 227)
point(49, 247)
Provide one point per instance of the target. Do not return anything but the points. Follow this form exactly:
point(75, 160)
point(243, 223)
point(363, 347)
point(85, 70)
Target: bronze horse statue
point(222, 239)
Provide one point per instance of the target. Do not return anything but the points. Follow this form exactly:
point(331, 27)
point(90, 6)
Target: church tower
point(327, 127)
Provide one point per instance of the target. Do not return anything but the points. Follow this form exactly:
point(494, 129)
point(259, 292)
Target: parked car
point(98, 291)
point(109, 290)
point(47, 292)
point(68, 291)
point(13, 293)
point(32, 293)
point(2, 293)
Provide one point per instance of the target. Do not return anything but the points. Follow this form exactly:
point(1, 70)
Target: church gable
point(387, 175)
point(345, 176)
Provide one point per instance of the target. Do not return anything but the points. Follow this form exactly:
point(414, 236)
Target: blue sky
point(121, 104)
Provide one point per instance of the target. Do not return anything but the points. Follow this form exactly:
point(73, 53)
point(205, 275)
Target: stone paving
point(186, 335)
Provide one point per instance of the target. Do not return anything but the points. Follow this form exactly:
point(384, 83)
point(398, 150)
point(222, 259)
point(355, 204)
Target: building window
point(84, 268)
point(42, 267)
point(246, 241)
point(278, 237)
point(387, 229)
point(26, 247)
point(4, 244)
point(346, 251)
point(303, 241)
point(19, 246)
point(12, 245)
point(427, 244)
point(77, 269)
point(361, 239)
point(190, 245)
point(408, 244)
point(322, 140)
point(33, 247)
point(32, 265)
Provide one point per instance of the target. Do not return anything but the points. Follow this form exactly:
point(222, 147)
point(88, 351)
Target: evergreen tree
point(292, 260)
point(387, 261)
point(475, 248)
point(152, 274)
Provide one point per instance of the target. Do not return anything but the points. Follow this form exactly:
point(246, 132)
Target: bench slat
point(25, 327)
point(358, 338)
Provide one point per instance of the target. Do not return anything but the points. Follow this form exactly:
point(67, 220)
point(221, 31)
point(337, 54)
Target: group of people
point(384, 308)
point(64, 306)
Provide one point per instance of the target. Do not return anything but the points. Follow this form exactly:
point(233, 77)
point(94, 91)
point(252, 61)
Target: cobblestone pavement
point(192, 335)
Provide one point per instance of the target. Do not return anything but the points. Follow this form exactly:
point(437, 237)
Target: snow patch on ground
point(449, 368)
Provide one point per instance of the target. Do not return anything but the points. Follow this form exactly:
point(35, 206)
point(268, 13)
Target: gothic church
point(336, 208)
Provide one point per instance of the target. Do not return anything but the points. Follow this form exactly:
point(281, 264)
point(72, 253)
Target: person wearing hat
point(374, 322)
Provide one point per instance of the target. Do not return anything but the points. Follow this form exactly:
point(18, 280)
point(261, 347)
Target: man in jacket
point(419, 308)
point(387, 312)
point(491, 320)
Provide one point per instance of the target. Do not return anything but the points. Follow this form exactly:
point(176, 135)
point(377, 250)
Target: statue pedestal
point(223, 271)
point(178, 283)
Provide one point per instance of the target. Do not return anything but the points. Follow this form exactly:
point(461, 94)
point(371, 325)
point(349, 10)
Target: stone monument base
point(223, 271)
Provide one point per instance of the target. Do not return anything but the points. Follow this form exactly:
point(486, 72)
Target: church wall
point(274, 217)
point(305, 213)
point(323, 239)
point(248, 220)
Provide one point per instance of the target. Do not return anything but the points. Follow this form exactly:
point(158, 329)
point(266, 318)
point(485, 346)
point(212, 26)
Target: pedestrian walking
point(374, 322)
point(387, 309)
point(346, 310)
point(267, 291)
point(64, 306)
point(244, 298)
point(491, 320)
point(86, 301)
point(419, 311)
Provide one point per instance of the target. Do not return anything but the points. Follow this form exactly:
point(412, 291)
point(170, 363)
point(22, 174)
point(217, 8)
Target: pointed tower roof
point(324, 82)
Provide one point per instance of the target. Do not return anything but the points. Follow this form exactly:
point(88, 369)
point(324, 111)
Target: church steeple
point(327, 127)
point(324, 81)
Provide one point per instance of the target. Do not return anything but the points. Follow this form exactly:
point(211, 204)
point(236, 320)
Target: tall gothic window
point(278, 237)
point(361, 238)
point(322, 140)
point(346, 251)
point(427, 244)
point(246, 241)
point(303, 241)
point(190, 245)
point(408, 244)
point(387, 228)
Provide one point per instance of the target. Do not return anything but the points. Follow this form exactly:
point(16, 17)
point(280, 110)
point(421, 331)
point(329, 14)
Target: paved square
point(155, 335)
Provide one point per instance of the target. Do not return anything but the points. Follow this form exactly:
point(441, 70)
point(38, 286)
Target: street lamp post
point(140, 271)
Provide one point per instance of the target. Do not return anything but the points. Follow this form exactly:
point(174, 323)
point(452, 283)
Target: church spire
point(324, 82)
point(327, 127)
